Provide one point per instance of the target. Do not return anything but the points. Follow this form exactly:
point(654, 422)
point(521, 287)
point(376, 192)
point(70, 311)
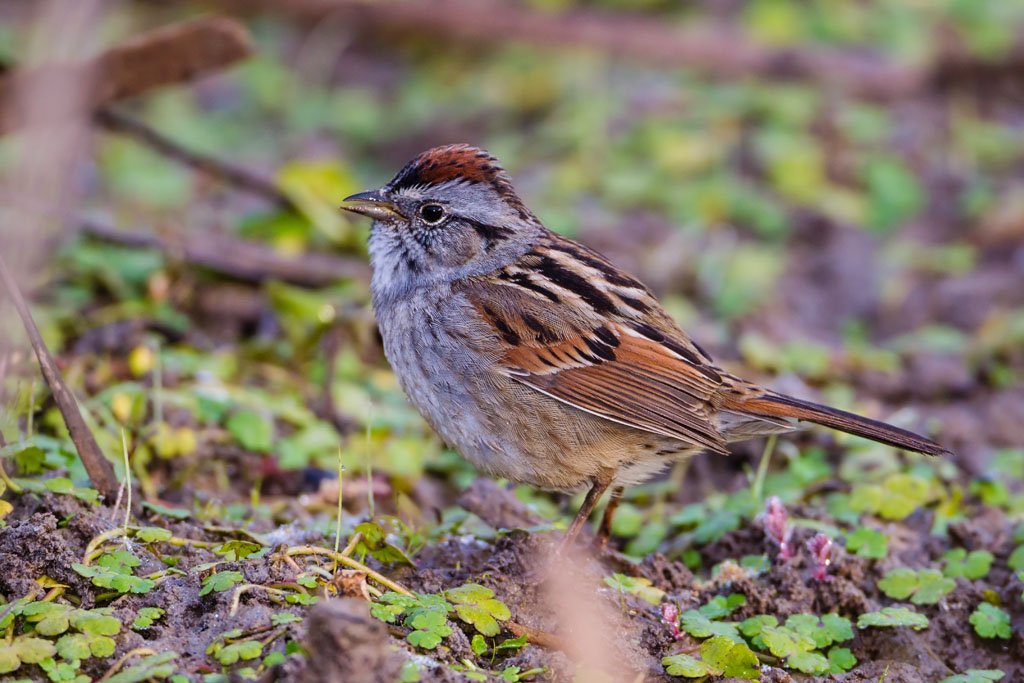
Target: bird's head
point(449, 213)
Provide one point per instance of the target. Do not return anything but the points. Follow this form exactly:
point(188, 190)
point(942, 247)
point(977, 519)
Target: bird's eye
point(432, 213)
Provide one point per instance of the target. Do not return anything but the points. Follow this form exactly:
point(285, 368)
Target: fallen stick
point(231, 174)
point(241, 259)
point(167, 55)
point(99, 469)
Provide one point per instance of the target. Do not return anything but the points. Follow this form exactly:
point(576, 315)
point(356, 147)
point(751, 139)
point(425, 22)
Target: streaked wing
point(611, 363)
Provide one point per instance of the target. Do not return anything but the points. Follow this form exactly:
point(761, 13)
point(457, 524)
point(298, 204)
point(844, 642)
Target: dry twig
point(100, 471)
point(241, 259)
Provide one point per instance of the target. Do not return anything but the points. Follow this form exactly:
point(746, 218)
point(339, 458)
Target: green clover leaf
point(840, 660)
point(990, 622)
point(730, 658)
point(973, 565)
point(685, 665)
point(698, 625)
point(785, 642)
point(246, 649)
point(868, 542)
point(893, 616)
point(146, 617)
point(475, 604)
point(808, 662)
point(221, 581)
point(825, 630)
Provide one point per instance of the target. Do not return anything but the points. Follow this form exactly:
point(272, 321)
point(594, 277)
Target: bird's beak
point(372, 204)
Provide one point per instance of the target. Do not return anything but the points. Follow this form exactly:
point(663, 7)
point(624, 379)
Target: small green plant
point(923, 587)
point(425, 613)
point(475, 604)
point(893, 616)
point(824, 630)
point(24, 649)
point(374, 543)
point(990, 622)
point(116, 571)
point(146, 617)
point(840, 660)
point(220, 581)
point(719, 656)
point(868, 542)
point(973, 565)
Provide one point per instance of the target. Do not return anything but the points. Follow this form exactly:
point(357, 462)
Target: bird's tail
point(770, 405)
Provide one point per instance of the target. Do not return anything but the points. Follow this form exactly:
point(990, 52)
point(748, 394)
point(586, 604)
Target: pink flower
point(670, 617)
point(820, 548)
point(777, 527)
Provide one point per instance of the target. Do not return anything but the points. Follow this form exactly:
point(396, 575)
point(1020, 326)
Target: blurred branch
point(717, 50)
point(241, 259)
point(99, 469)
point(231, 174)
point(165, 56)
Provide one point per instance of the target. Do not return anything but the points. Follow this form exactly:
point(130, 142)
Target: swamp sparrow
point(535, 357)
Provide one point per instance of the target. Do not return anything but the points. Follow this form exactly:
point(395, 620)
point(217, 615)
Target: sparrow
point(536, 358)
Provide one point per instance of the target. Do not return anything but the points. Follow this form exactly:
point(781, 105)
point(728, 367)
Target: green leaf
point(990, 622)
point(96, 624)
point(828, 629)
point(246, 649)
point(973, 565)
point(721, 606)
point(252, 431)
point(899, 583)
point(221, 581)
point(698, 625)
point(273, 659)
point(239, 550)
point(840, 660)
point(730, 658)
point(74, 646)
point(975, 676)
point(152, 534)
point(785, 642)
point(893, 616)
point(685, 665)
point(933, 587)
point(927, 586)
point(174, 513)
point(50, 618)
point(59, 485)
point(475, 605)
point(511, 644)
point(1016, 560)
point(478, 644)
point(868, 542)
point(808, 662)
point(282, 618)
point(146, 617)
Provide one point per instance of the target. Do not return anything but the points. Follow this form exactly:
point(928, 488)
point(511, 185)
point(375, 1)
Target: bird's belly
point(502, 427)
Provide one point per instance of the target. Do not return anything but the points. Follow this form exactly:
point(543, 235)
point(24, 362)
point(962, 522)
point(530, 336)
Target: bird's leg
point(601, 484)
point(604, 533)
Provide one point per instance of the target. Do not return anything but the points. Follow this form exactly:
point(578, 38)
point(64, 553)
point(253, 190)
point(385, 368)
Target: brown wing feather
point(646, 386)
point(604, 367)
